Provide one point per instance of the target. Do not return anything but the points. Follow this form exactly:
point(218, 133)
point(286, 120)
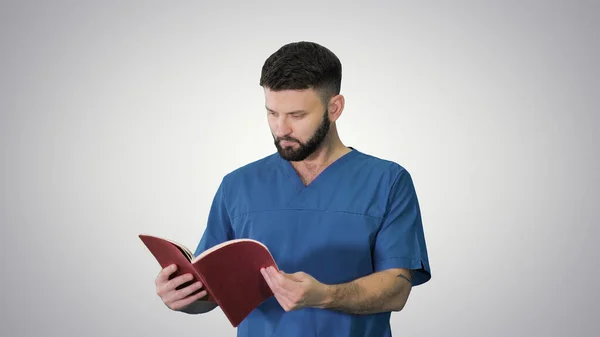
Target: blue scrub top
point(360, 215)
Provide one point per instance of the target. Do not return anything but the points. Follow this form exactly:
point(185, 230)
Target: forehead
point(292, 100)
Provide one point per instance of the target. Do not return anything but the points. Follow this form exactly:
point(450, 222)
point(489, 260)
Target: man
point(343, 226)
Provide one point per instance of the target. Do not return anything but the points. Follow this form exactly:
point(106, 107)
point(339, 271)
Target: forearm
point(379, 292)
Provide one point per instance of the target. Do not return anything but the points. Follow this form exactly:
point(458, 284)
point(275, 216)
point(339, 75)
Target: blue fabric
point(359, 216)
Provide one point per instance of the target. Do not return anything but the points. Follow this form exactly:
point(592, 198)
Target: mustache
point(289, 139)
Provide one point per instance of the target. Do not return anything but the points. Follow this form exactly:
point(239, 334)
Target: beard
point(305, 149)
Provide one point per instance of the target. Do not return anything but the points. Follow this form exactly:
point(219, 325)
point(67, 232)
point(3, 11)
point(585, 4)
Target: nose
point(282, 127)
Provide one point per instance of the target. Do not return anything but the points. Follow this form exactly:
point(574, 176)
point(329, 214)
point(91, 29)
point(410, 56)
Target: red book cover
point(230, 272)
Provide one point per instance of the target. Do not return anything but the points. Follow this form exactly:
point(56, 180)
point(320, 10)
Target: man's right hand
point(174, 292)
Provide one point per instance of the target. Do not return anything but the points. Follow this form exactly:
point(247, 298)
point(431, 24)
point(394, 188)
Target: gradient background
point(104, 134)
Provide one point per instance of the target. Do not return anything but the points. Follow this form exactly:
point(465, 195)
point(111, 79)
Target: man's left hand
point(295, 291)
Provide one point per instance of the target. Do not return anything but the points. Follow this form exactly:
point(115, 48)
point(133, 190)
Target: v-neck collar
point(295, 179)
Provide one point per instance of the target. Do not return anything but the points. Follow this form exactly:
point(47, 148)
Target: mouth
point(285, 143)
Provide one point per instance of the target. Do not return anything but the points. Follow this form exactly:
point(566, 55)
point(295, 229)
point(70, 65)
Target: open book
point(230, 271)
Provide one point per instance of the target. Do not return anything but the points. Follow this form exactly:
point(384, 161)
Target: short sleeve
point(218, 228)
point(400, 241)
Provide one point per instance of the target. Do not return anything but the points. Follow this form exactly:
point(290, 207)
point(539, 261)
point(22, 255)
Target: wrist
point(328, 297)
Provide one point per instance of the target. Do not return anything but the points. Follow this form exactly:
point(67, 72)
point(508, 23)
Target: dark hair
point(303, 65)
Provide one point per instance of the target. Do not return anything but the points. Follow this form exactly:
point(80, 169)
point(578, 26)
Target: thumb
point(293, 276)
point(297, 276)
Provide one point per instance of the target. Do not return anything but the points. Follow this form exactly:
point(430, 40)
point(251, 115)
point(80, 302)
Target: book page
point(223, 244)
point(185, 250)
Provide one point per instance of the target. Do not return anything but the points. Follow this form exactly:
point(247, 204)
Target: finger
point(190, 290)
point(267, 278)
point(291, 287)
point(273, 281)
point(165, 273)
point(287, 285)
point(279, 293)
point(283, 296)
point(286, 297)
point(179, 281)
point(176, 295)
point(168, 291)
point(178, 304)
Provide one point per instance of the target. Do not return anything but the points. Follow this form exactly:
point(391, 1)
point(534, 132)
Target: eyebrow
point(290, 112)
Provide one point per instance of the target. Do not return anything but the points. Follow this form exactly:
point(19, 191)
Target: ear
point(335, 107)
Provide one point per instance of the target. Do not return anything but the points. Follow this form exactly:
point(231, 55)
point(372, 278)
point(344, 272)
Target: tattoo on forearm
point(404, 277)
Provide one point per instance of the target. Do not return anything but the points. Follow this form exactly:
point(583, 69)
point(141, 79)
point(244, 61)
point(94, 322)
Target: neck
point(331, 150)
